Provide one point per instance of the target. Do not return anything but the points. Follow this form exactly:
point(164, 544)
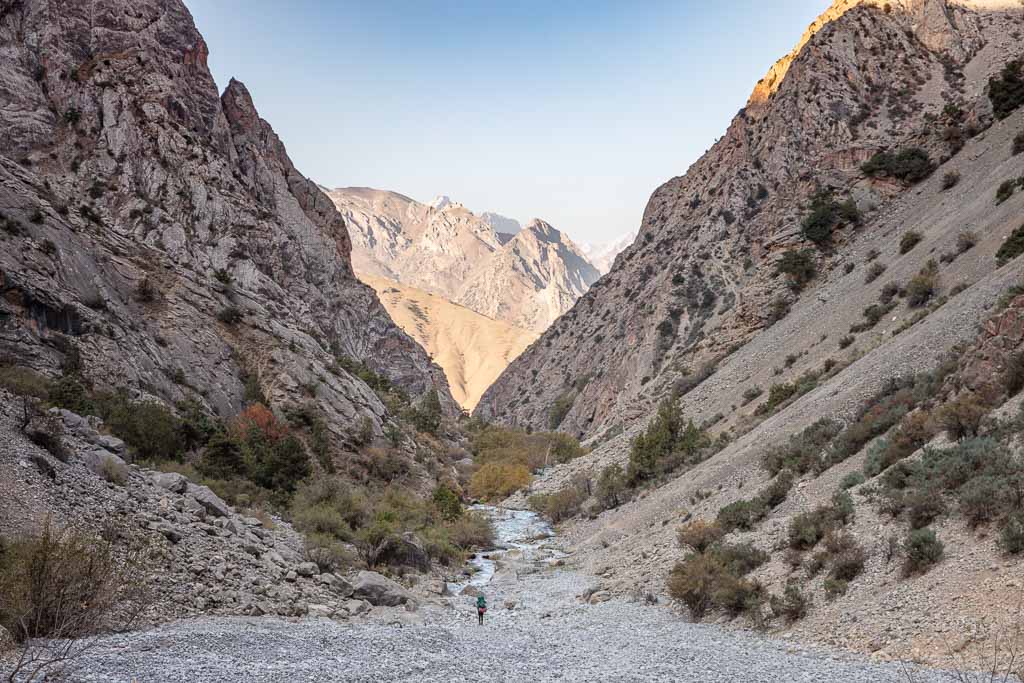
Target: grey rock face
point(379, 590)
point(130, 182)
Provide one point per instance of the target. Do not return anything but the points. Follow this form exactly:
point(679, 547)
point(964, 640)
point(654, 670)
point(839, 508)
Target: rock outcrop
point(160, 228)
point(701, 280)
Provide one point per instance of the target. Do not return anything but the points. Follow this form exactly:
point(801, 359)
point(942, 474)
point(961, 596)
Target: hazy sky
point(569, 110)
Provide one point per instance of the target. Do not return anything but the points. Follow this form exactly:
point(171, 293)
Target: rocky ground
point(538, 629)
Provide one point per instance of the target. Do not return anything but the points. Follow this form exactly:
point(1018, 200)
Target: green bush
point(447, 502)
point(923, 286)
point(873, 272)
point(808, 528)
point(741, 514)
point(714, 579)
point(961, 418)
point(803, 452)
point(426, 416)
point(798, 265)
point(1006, 91)
point(560, 505)
point(151, 430)
point(909, 240)
point(826, 215)
point(24, 382)
point(1007, 188)
point(560, 408)
point(922, 549)
point(666, 444)
point(950, 180)
point(792, 605)
point(1012, 247)
point(611, 486)
point(1011, 536)
point(909, 165)
point(780, 395)
point(852, 479)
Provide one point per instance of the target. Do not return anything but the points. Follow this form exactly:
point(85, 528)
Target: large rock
point(379, 590)
point(171, 481)
point(209, 500)
point(406, 551)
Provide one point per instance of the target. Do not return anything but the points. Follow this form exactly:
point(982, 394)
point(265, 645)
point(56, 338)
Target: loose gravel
point(550, 635)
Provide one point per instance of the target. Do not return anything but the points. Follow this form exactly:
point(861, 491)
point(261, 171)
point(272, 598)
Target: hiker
point(481, 607)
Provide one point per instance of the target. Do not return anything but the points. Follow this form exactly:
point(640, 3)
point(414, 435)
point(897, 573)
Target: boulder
point(166, 530)
point(171, 481)
point(600, 596)
point(356, 607)
point(111, 443)
point(307, 569)
point(194, 508)
point(471, 591)
point(406, 551)
point(379, 590)
point(319, 611)
point(209, 500)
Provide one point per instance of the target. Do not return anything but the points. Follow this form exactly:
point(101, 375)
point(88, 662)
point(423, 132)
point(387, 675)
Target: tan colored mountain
point(527, 280)
point(783, 281)
point(471, 348)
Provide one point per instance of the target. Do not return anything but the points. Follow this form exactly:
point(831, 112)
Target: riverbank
point(537, 629)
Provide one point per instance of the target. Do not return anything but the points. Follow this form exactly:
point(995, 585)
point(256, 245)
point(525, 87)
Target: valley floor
point(549, 634)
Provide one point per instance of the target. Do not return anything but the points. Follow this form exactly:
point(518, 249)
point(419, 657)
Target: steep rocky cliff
point(161, 228)
point(527, 279)
point(702, 278)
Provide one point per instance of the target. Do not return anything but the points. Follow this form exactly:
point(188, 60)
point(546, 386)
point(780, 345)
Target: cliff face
point(526, 279)
point(145, 213)
point(701, 280)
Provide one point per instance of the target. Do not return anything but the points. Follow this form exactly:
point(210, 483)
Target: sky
point(568, 110)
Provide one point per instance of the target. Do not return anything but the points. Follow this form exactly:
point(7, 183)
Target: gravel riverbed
point(537, 629)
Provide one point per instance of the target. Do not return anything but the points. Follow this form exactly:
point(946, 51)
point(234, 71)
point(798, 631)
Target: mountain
point(702, 278)
point(157, 233)
point(526, 279)
point(603, 254)
point(471, 348)
point(534, 278)
point(810, 352)
point(505, 227)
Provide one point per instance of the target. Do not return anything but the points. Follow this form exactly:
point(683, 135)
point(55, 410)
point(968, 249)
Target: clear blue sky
point(569, 110)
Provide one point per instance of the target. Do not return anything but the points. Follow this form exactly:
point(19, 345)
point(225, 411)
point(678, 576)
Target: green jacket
point(481, 603)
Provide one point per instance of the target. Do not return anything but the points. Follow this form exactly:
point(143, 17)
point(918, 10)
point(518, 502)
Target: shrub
point(950, 180)
point(700, 535)
point(923, 286)
point(24, 382)
point(471, 530)
point(826, 215)
point(151, 430)
point(792, 605)
point(560, 505)
point(230, 315)
point(808, 528)
point(64, 584)
point(922, 549)
point(852, 479)
point(611, 486)
point(846, 341)
point(983, 499)
point(782, 394)
point(693, 581)
point(962, 417)
point(802, 452)
point(1011, 536)
point(965, 241)
point(494, 481)
point(740, 558)
point(1006, 91)
point(923, 506)
point(560, 408)
point(873, 272)
point(740, 515)
point(327, 553)
point(848, 561)
point(145, 291)
point(666, 443)
point(909, 165)
point(799, 266)
point(1006, 190)
point(909, 240)
point(447, 502)
point(751, 393)
point(1013, 374)
point(1012, 247)
point(1018, 143)
point(114, 471)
